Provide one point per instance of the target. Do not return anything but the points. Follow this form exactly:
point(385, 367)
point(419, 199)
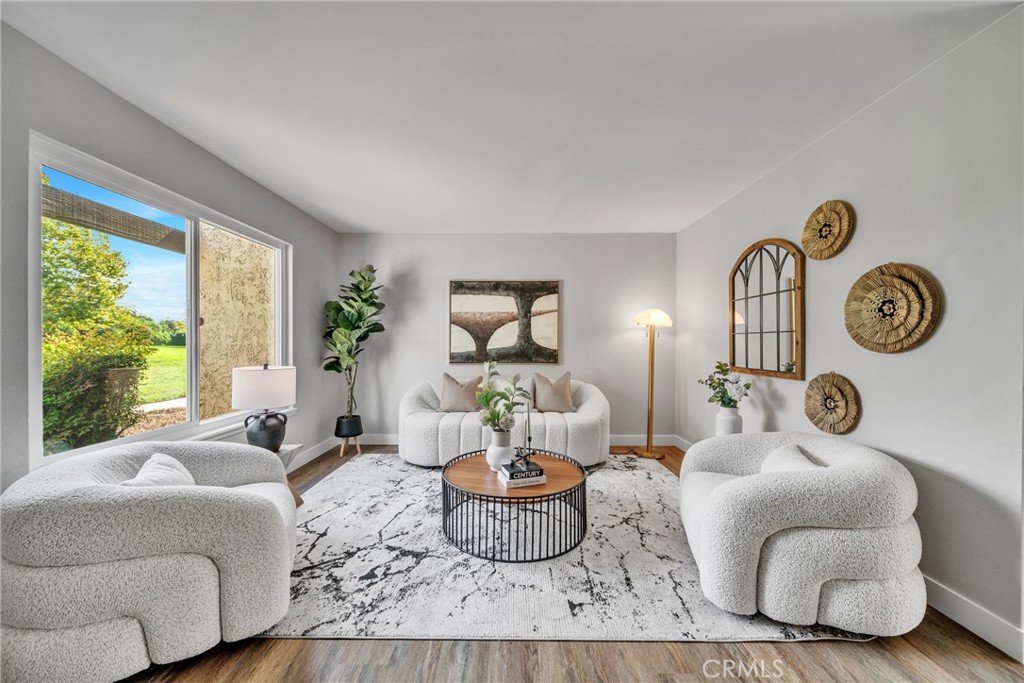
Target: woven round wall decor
point(892, 308)
point(831, 403)
point(828, 229)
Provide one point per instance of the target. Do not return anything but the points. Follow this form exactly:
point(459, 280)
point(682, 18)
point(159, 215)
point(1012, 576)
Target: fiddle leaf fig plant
point(350, 322)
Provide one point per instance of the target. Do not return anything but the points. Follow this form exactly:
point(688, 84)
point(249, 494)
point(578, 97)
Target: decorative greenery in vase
point(727, 387)
point(497, 406)
point(350, 322)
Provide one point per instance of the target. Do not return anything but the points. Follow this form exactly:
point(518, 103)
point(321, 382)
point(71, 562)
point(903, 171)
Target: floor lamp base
point(644, 453)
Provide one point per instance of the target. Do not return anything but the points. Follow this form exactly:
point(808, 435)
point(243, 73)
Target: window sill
point(232, 424)
point(213, 430)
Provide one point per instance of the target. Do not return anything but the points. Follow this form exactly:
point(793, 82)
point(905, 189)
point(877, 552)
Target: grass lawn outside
point(164, 379)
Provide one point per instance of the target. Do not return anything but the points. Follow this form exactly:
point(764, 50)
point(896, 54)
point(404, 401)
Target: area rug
point(372, 563)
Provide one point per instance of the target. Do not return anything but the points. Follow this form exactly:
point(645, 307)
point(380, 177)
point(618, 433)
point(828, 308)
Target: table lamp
point(262, 388)
point(651, 318)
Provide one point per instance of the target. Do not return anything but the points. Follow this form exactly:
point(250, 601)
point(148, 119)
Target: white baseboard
point(379, 439)
point(641, 439)
point(977, 619)
point(616, 440)
point(392, 439)
point(312, 453)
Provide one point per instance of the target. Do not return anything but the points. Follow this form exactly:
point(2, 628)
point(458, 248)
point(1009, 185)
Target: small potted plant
point(350, 322)
point(497, 411)
point(727, 390)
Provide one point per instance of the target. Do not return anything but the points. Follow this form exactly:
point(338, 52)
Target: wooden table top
point(472, 474)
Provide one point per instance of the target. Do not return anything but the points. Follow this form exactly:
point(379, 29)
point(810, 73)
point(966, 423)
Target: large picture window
point(146, 301)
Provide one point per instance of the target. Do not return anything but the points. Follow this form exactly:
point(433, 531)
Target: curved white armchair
point(100, 579)
point(429, 437)
point(835, 544)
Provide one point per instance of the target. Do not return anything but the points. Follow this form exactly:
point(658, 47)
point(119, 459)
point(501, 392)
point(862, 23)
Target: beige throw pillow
point(553, 397)
point(459, 397)
point(161, 470)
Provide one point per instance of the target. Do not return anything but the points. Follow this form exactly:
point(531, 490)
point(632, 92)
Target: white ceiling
point(502, 117)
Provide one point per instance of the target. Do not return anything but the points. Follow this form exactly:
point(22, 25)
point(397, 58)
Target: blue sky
point(157, 276)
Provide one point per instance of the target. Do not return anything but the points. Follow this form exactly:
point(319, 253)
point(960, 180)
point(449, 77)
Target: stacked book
point(514, 476)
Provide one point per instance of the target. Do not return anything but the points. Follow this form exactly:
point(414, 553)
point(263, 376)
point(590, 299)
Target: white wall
point(43, 93)
point(934, 172)
point(606, 280)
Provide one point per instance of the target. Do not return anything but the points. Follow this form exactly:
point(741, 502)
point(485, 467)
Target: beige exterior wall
point(236, 306)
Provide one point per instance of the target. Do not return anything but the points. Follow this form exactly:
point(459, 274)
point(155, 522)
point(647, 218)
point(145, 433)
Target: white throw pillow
point(161, 470)
point(786, 459)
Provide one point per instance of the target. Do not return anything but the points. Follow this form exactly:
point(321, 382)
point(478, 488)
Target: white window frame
point(44, 151)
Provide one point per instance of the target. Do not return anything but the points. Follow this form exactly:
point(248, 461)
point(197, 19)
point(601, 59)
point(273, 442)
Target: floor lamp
point(652, 319)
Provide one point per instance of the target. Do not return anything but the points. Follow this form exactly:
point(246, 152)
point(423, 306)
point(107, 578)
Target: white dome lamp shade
point(263, 388)
point(653, 317)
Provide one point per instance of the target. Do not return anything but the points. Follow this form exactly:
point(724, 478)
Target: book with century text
point(512, 471)
point(517, 483)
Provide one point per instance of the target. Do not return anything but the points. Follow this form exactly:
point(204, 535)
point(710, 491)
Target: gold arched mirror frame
point(766, 310)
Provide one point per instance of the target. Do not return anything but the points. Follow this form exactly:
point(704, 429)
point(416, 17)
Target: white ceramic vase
point(728, 421)
point(500, 451)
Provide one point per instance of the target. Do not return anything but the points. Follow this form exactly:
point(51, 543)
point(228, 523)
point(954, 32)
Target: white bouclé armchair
point(101, 579)
point(804, 529)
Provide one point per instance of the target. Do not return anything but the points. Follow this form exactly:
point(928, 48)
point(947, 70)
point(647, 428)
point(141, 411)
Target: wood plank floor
point(939, 650)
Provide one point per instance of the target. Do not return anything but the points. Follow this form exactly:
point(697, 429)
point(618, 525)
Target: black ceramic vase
point(266, 430)
point(348, 426)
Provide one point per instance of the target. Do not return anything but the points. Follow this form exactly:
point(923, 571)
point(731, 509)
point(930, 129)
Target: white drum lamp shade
point(261, 387)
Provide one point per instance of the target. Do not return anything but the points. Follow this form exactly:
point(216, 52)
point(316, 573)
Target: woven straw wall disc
point(892, 308)
point(827, 229)
point(831, 403)
point(886, 308)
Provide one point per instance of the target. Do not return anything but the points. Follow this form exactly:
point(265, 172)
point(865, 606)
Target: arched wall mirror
point(766, 310)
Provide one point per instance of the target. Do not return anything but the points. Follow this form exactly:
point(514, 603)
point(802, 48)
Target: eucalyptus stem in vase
point(727, 390)
point(497, 411)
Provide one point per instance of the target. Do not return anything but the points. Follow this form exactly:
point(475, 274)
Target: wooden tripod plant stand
point(344, 446)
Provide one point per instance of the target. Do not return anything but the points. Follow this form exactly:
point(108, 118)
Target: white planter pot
point(500, 451)
point(728, 421)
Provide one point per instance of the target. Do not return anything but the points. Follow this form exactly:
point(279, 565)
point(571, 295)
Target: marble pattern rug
point(372, 563)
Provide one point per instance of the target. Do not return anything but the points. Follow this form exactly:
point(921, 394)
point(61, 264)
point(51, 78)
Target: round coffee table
point(483, 518)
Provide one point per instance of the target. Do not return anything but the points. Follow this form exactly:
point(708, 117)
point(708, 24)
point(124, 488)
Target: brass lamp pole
point(652, 319)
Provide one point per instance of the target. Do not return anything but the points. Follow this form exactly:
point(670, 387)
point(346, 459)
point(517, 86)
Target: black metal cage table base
point(527, 524)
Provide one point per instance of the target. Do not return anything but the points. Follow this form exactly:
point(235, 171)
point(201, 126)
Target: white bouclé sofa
point(429, 437)
point(825, 535)
point(101, 579)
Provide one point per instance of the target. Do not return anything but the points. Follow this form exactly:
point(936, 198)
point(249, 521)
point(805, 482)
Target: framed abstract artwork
point(512, 321)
